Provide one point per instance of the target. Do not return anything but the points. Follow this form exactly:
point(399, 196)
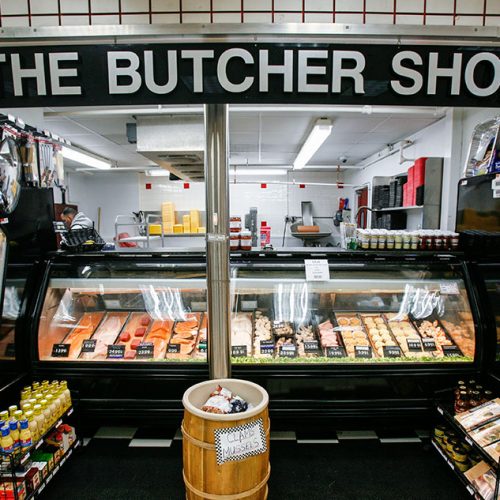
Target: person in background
point(75, 220)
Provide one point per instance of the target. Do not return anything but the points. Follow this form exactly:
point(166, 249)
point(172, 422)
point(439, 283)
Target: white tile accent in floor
point(150, 443)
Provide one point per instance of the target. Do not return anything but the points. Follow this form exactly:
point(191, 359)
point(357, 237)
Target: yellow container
point(201, 230)
point(186, 222)
point(195, 220)
point(154, 229)
point(178, 228)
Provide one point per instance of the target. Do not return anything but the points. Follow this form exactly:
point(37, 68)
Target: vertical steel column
point(217, 204)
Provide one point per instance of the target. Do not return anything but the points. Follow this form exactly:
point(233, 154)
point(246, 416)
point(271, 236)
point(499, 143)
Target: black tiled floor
point(367, 470)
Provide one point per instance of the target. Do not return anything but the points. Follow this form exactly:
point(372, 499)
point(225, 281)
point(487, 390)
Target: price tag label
point(335, 352)
point(311, 346)
point(116, 351)
point(10, 350)
point(89, 345)
point(317, 270)
point(429, 344)
point(174, 348)
point(414, 345)
point(392, 351)
point(449, 288)
point(60, 350)
point(248, 305)
point(202, 347)
point(146, 350)
point(198, 306)
point(266, 346)
point(288, 351)
point(451, 351)
point(239, 351)
point(362, 351)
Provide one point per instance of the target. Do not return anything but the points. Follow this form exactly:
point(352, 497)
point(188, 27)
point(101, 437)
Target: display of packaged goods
point(383, 342)
point(493, 451)
point(432, 329)
point(483, 478)
point(353, 335)
point(106, 335)
point(186, 222)
point(307, 341)
point(84, 330)
point(405, 334)
point(263, 342)
point(479, 415)
point(461, 335)
point(486, 434)
point(183, 338)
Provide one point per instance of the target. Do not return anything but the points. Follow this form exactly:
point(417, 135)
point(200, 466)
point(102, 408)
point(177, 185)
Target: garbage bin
point(226, 456)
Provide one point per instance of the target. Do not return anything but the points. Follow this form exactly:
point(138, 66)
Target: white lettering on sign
point(449, 288)
point(241, 442)
point(129, 71)
point(411, 74)
point(355, 73)
point(317, 270)
point(222, 70)
point(285, 69)
point(56, 73)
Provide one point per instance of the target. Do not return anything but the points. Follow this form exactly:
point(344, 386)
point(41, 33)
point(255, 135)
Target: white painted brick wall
point(77, 12)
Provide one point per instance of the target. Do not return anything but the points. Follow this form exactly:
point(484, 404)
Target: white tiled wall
point(273, 202)
point(73, 12)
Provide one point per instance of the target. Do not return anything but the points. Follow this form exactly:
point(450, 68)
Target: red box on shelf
point(411, 186)
point(406, 198)
point(419, 172)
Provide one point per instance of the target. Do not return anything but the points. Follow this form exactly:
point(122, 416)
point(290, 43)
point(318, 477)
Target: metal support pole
point(217, 202)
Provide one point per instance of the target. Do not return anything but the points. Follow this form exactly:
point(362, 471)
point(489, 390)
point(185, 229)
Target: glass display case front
point(123, 311)
point(365, 313)
point(491, 276)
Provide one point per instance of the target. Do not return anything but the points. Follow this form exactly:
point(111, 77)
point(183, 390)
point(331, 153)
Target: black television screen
point(30, 231)
point(477, 209)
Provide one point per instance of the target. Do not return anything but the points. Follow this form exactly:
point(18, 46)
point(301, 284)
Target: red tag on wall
point(263, 186)
point(186, 185)
point(148, 185)
point(340, 185)
point(302, 186)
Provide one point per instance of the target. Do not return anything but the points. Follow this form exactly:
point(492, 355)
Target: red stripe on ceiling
point(29, 12)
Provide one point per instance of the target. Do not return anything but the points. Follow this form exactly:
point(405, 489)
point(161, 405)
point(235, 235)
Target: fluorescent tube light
point(157, 173)
point(257, 171)
point(321, 130)
point(85, 159)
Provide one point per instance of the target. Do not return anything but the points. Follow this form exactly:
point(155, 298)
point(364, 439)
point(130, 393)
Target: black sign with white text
point(304, 73)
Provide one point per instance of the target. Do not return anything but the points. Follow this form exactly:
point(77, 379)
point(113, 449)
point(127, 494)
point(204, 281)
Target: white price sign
point(237, 443)
point(317, 270)
point(449, 288)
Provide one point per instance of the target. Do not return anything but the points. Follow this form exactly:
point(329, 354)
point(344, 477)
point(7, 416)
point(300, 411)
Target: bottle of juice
point(12, 409)
point(6, 443)
point(35, 386)
point(52, 408)
point(46, 413)
point(32, 425)
point(4, 415)
point(25, 395)
point(14, 434)
point(26, 406)
point(40, 420)
point(56, 401)
point(25, 436)
point(67, 395)
point(18, 415)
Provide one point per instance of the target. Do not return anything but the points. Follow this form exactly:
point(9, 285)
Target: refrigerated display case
point(379, 336)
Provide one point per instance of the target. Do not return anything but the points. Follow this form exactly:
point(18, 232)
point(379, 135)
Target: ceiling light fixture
point(85, 159)
point(321, 130)
point(157, 173)
point(257, 171)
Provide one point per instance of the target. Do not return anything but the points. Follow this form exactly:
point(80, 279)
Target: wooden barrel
point(208, 475)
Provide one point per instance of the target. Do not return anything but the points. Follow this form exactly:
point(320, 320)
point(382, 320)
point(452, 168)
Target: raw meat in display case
point(81, 332)
point(106, 335)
